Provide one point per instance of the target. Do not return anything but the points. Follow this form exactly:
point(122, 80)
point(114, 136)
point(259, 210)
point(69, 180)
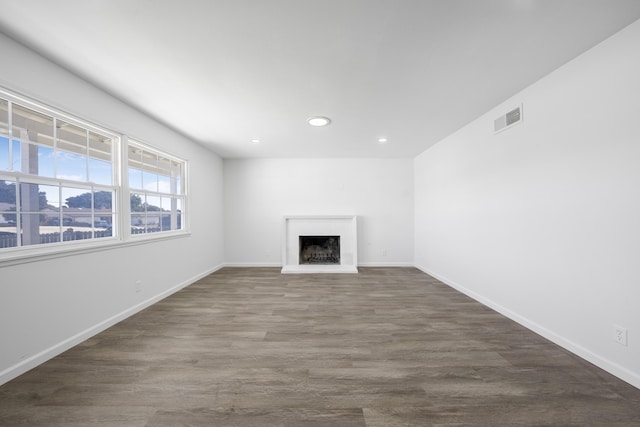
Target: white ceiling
point(224, 72)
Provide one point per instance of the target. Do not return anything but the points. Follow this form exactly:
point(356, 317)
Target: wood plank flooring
point(252, 347)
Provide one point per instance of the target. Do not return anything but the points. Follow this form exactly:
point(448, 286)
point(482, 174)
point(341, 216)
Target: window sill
point(29, 255)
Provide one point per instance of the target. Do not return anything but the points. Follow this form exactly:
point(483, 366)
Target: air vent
point(513, 117)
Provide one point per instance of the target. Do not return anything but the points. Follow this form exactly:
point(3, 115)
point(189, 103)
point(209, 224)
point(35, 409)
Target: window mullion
point(18, 213)
point(10, 132)
point(125, 193)
point(60, 213)
point(55, 145)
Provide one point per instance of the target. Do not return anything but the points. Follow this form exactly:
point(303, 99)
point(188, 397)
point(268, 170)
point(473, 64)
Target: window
point(57, 177)
point(156, 185)
point(62, 181)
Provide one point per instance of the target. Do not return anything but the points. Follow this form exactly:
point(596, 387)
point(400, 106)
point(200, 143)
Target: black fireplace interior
point(319, 250)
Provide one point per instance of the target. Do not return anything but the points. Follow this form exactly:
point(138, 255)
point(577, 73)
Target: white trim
point(385, 264)
point(252, 264)
point(63, 249)
point(613, 368)
point(49, 353)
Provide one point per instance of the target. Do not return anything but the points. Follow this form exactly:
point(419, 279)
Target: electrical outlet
point(384, 252)
point(620, 335)
point(138, 286)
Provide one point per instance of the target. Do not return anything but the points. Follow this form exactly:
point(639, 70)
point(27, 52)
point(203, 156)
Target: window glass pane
point(45, 161)
point(28, 161)
point(7, 194)
point(4, 153)
point(71, 138)
point(102, 221)
point(71, 154)
point(4, 135)
point(16, 164)
point(135, 157)
point(166, 222)
point(179, 221)
point(104, 231)
point(30, 228)
point(153, 204)
point(137, 202)
point(71, 166)
point(164, 184)
point(135, 178)
point(49, 234)
point(4, 118)
point(32, 127)
point(49, 197)
point(34, 133)
point(78, 226)
point(100, 147)
point(8, 237)
point(149, 181)
point(32, 200)
point(103, 202)
point(100, 159)
point(150, 171)
point(149, 161)
point(76, 199)
point(178, 185)
point(165, 204)
point(138, 223)
point(100, 172)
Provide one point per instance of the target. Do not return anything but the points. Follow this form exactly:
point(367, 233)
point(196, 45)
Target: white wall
point(257, 193)
point(47, 306)
point(542, 221)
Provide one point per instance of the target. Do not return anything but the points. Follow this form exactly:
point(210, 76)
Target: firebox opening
point(319, 250)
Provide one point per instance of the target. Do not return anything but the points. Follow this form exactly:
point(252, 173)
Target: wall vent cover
point(505, 121)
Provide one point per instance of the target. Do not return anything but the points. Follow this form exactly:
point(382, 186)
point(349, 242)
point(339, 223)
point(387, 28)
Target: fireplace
point(319, 250)
point(320, 244)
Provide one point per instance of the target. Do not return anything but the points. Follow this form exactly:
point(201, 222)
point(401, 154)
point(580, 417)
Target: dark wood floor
point(252, 347)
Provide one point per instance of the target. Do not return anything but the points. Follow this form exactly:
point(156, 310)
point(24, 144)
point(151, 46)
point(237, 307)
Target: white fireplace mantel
point(344, 226)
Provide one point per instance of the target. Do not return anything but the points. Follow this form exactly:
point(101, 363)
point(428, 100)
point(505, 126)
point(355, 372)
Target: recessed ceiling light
point(383, 140)
point(255, 141)
point(319, 121)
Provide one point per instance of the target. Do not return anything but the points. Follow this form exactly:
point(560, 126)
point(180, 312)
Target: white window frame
point(121, 233)
point(126, 199)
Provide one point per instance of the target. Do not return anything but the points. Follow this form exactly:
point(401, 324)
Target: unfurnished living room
point(342, 213)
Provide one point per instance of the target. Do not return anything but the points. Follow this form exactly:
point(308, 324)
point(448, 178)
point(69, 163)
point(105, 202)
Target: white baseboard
point(385, 264)
point(613, 368)
point(253, 264)
point(49, 353)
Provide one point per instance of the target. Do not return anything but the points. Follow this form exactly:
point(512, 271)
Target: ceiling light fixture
point(255, 141)
point(383, 140)
point(319, 121)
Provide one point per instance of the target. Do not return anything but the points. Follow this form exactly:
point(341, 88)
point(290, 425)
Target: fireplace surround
point(319, 244)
